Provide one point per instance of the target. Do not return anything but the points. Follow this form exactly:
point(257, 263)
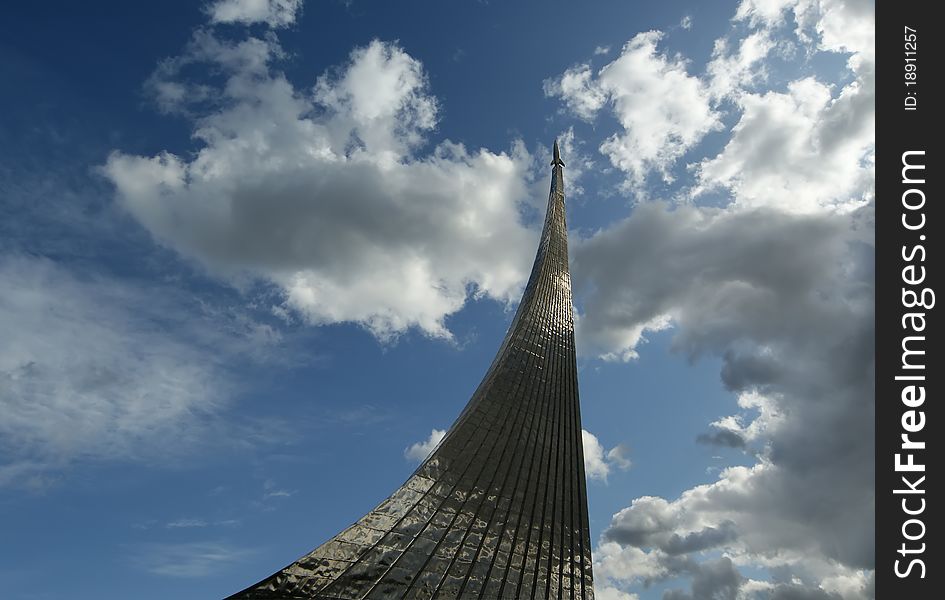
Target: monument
point(499, 508)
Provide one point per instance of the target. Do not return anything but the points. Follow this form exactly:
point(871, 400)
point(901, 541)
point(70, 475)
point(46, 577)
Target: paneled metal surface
point(499, 510)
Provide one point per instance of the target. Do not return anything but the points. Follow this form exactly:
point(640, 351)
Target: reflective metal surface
point(499, 510)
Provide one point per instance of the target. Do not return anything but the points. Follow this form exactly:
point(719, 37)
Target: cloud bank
point(775, 279)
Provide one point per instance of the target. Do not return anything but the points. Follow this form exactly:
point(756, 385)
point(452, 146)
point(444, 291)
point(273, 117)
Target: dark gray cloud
point(741, 371)
point(710, 537)
point(720, 274)
point(786, 302)
point(654, 526)
point(711, 580)
point(724, 437)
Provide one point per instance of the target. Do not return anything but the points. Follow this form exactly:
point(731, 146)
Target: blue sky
point(252, 252)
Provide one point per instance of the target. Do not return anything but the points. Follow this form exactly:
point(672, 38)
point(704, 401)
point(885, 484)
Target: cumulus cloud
point(730, 71)
point(681, 265)
point(785, 301)
point(762, 413)
point(800, 150)
point(322, 195)
point(599, 462)
point(90, 370)
point(577, 88)
point(419, 451)
point(594, 465)
point(606, 592)
point(846, 26)
point(654, 133)
point(764, 12)
point(809, 147)
point(831, 25)
point(651, 522)
point(275, 13)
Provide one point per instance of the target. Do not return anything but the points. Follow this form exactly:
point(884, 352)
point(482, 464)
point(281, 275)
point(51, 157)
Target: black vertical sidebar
point(909, 373)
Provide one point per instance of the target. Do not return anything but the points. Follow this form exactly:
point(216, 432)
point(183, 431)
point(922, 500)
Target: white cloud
point(277, 494)
point(836, 25)
point(193, 559)
point(186, 524)
point(619, 457)
point(729, 72)
point(598, 462)
point(686, 22)
point(580, 93)
point(275, 13)
point(594, 465)
point(801, 151)
point(655, 540)
point(322, 195)
point(420, 450)
point(807, 148)
point(89, 370)
point(662, 110)
point(174, 94)
point(847, 26)
point(601, 50)
point(764, 12)
point(619, 565)
point(380, 98)
point(605, 592)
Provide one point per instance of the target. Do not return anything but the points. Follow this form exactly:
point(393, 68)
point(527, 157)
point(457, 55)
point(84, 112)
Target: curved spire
point(499, 509)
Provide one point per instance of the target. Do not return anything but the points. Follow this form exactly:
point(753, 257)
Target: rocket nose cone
point(556, 155)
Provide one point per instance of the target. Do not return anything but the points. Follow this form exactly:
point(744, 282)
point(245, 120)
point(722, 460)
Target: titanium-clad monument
point(499, 509)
